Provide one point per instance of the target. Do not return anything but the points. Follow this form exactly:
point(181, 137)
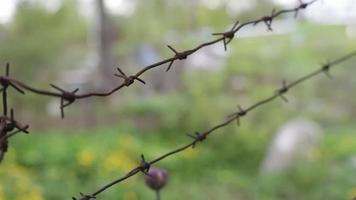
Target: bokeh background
point(80, 43)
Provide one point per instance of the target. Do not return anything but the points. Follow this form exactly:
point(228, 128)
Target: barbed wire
point(69, 97)
point(10, 127)
point(200, 137)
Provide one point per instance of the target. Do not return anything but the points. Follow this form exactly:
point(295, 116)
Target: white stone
point(296, 140)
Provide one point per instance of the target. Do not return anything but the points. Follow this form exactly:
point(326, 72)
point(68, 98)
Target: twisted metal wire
point(10, 127)
point(200, 137)
point(69, 97)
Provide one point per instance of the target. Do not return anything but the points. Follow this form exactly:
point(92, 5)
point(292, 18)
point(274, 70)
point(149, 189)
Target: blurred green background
point(80, 43)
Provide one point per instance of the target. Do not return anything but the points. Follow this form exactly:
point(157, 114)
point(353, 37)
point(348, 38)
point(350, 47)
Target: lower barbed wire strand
point(228, 121)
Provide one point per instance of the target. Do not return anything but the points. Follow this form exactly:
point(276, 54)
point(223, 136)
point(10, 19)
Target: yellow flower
point(34, 194)
point(130, 196)
point(127, 141)
point(2, 195)
point(85, 158)
point(119, 160)
point(190, 153)
point(352, 193)
point(22, 182)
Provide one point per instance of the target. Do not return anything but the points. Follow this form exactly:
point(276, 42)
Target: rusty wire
point(9, 126)
point(69, 97)
point(199, 137)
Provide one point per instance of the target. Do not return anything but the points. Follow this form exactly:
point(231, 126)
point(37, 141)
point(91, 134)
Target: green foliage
point(39, 44)
point(39, 164)
point(204, 92)
point(38, 38)
point(166, 111)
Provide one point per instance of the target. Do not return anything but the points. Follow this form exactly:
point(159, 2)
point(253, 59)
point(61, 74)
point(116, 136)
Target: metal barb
point(128, 80)
point(282, 91)
point(70, 97)
point(178, 56)
point(144, 165)
point(198, 137)
point(326, 70)
point(84, 197)
point(228, 36)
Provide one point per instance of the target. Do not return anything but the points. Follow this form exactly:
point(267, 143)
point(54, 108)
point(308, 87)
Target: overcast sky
point(332, 11)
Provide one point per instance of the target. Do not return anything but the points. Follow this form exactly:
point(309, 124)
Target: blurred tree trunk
point(103, 38)
point(106, 35)
point(193, 5)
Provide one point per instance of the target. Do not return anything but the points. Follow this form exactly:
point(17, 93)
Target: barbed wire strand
point(67, 98)
point(199, 137)
point(8, 125)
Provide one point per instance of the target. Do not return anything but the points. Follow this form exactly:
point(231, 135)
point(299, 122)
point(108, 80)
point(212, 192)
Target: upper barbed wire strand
point(225, 38)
